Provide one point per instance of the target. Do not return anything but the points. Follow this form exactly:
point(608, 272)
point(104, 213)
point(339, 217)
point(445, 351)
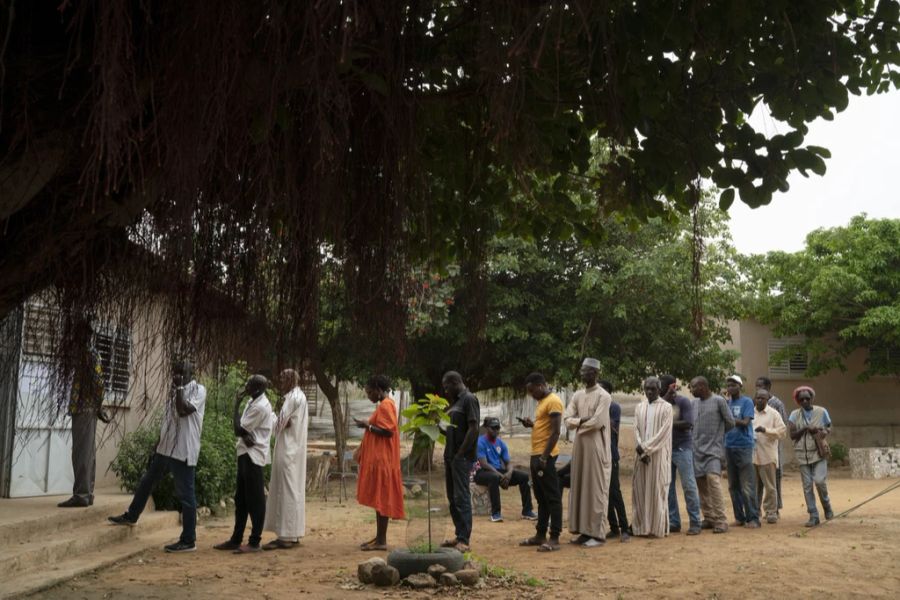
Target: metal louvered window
point(114, 348)
point(790, 366)
point(41, 326)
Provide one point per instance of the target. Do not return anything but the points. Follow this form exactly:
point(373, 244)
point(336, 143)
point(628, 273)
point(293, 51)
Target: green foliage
point(547, 303)
point(840, 294)
point(216, 471)
point(839, 452)
point(424, 417)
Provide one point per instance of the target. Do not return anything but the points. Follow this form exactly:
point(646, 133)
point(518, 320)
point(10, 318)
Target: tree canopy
point(241, 146)
point(840, 294)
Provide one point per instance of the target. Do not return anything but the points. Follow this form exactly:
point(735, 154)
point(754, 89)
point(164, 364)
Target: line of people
point(674, 435)
point(691, 439)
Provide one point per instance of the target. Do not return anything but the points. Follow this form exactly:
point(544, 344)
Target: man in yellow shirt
point(544, 450)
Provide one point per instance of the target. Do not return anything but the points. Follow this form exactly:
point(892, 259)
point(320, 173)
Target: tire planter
point(407, 562)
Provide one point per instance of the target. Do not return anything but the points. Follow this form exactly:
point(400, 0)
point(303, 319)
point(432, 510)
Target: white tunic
point(286, 505)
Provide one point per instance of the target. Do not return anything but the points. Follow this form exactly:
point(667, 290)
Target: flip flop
point(592, 543)
point(532, 541)
point(364, 545)
point(463, 548)
point(546, 547)
point(449, 543)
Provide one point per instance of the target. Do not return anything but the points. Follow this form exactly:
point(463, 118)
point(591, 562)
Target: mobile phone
point(520, 420)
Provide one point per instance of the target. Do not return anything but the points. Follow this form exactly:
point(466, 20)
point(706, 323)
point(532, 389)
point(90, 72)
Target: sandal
point(374, 547)
point(462, 548)
point(548, 547)
point(533, 541)
point(448, 543)
point(365, 545)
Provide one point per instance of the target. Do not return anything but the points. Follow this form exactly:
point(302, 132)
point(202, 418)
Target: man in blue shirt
point(739, 443)
point(495, 471)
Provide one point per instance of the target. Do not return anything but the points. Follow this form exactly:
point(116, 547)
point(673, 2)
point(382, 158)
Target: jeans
point(683, 463)
point(456, 477)
point(184, 489)
point(492, 481)
point(549, 496)
point(249, 500)
point(742, 484)
point(615, 514)
point(815, 473)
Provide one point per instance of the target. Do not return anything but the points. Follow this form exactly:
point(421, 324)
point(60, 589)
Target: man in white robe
point(653, 467)
point(286, 509)
point(588, 416)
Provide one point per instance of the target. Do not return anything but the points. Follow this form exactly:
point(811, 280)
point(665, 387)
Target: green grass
point(496, 572)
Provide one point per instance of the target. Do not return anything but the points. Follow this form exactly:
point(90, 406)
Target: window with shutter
point(114, 347)
point(786, 358)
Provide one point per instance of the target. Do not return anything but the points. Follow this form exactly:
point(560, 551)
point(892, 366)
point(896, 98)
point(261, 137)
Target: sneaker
point(496, 518)
point(612, 533)
point(704, 524)
point(529, 515)
point(813, 521)
point(722, 528)
point(829, 514)
point(121, 520)
point(693, 531)
point(675, 529)
point(181, 547)
point(772, 519)
point(625, 537)
point(751, 525)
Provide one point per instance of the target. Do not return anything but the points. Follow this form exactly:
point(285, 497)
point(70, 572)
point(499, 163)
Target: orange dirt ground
point(851, 557)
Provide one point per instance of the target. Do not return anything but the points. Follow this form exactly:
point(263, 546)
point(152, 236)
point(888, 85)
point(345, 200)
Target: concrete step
point(52, 546)
point(30, 582)
point(27, 518)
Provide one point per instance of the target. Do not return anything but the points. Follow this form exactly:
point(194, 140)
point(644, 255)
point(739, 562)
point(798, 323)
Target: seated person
point(495, 471)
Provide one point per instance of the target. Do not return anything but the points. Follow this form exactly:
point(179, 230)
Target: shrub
point(216, 466)
point(839, 452)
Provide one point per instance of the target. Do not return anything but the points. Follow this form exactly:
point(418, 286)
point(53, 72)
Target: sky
point(862, 176)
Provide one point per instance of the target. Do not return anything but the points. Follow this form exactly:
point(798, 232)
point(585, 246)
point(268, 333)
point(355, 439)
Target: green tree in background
point(840, 294)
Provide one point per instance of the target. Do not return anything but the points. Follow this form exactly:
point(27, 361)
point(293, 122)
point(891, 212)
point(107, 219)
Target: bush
point(839, 452)
point(216, 466)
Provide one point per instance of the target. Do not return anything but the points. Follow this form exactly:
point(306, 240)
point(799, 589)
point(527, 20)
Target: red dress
point(380, 482)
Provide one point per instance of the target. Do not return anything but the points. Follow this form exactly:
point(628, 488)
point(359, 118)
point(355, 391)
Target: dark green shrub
point(217, 465)
point(839, 452)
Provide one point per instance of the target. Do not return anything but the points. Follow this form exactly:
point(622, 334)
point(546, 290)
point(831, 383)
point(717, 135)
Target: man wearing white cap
point(739, 443)
point(588, 416)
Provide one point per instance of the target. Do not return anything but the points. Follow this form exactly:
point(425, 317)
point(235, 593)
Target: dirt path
point(853, 557)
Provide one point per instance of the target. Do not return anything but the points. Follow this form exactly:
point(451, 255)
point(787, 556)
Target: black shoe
point(612, 533)
point(813, 521)
point(181, 547)
point(674, 528)
point(74, 502)
point(121, 520)
point(829, 514)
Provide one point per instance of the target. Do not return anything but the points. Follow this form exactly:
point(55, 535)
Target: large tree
point(838, 295)
point(266, 134)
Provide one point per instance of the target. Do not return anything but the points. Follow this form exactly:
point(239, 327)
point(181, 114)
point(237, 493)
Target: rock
point(364, 570)
point(384, 575)
point(203, 511)
point(416, 489)
point(448, 580)
point(229, 502)
point(470, 565)
point(420, 581)
point(437, 570)
point(468, 576)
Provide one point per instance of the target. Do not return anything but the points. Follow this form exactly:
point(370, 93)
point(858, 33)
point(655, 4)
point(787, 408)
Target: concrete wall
point(864, 414)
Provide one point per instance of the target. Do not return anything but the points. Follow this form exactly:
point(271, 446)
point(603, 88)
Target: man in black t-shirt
point(459, 454)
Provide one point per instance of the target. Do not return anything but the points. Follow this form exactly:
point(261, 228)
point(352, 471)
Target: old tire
point(407, 562)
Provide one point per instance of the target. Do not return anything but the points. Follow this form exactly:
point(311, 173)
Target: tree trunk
point(337, 412)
